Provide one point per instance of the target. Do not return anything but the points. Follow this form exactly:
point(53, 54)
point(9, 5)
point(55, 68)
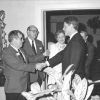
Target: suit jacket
point(15, 71)
point(32, 57)
point(74, 53)
point(90, 57)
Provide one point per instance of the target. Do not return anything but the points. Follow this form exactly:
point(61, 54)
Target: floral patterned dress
point(54, 49)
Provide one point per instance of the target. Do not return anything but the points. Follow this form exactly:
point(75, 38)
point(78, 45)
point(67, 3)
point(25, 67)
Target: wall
point(20, 14)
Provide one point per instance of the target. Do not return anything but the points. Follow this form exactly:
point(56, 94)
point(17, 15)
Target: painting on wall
point(54, 21)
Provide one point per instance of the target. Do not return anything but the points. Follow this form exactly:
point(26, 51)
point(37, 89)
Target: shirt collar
point(31, 41)
point(14, 47)
point(73, 35)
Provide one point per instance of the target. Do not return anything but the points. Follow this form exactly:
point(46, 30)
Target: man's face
point(18, 41)
point(33, 33)
point(67, 29)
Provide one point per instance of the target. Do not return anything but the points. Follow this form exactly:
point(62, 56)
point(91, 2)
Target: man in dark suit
point(16, 67)
point(75, 51)
point(90, 48)
point(34, 54)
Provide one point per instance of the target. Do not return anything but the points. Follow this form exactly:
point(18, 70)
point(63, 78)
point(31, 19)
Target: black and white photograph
point(49, 49)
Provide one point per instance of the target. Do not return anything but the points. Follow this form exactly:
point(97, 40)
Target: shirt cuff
point(47, 63)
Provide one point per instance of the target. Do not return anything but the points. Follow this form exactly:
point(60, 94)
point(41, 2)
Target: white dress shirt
point(31, 43)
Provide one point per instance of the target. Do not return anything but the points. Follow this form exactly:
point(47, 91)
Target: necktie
point(22, 56)
point(33, 47)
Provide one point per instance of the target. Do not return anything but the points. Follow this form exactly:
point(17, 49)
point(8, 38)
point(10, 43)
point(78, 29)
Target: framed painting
point(53, 21)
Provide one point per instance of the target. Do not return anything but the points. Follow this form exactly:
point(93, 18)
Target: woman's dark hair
point(82, 27)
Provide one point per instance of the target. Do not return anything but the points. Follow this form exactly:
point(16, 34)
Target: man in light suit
point(74, 52)
point(36, 55)
point(16, 67)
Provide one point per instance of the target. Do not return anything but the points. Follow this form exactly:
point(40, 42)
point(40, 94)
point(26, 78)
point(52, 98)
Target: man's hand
point(49, 71)
point(46, 53)
point(39, 66)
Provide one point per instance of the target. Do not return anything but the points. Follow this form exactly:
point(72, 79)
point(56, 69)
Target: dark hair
point(72, 20)
point(82, 27)
point(59, 32)
point(14, 34)
point(90, 38)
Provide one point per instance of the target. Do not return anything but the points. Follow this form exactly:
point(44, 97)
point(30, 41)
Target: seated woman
point(54, 49)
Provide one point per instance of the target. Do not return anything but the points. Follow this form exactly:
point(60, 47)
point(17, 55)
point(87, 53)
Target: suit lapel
point(39, 47)
point(16, 54)
point(13, 50)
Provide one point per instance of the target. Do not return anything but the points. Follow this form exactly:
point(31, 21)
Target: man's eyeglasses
point(34, 31)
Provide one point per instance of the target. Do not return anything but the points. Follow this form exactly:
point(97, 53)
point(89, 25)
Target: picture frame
point(53, 21)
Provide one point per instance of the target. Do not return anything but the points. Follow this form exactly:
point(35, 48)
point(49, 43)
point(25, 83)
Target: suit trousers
point(14, 96)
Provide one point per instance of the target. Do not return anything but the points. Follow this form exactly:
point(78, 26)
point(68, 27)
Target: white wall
point(22, 13)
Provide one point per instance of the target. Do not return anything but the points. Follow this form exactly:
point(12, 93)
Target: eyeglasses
point(34, 31)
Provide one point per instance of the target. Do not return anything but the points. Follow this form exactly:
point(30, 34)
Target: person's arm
point(35, 58)
point(10, 60)
point(56, 59)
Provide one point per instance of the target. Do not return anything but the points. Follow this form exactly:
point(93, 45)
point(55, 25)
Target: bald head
point(32, 27)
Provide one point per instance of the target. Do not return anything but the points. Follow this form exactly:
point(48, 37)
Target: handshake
point(40, 66)
point(48, 70)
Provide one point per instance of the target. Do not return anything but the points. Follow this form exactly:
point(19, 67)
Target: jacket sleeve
point(35, 58)
point(11, 61)
point(56, 59)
